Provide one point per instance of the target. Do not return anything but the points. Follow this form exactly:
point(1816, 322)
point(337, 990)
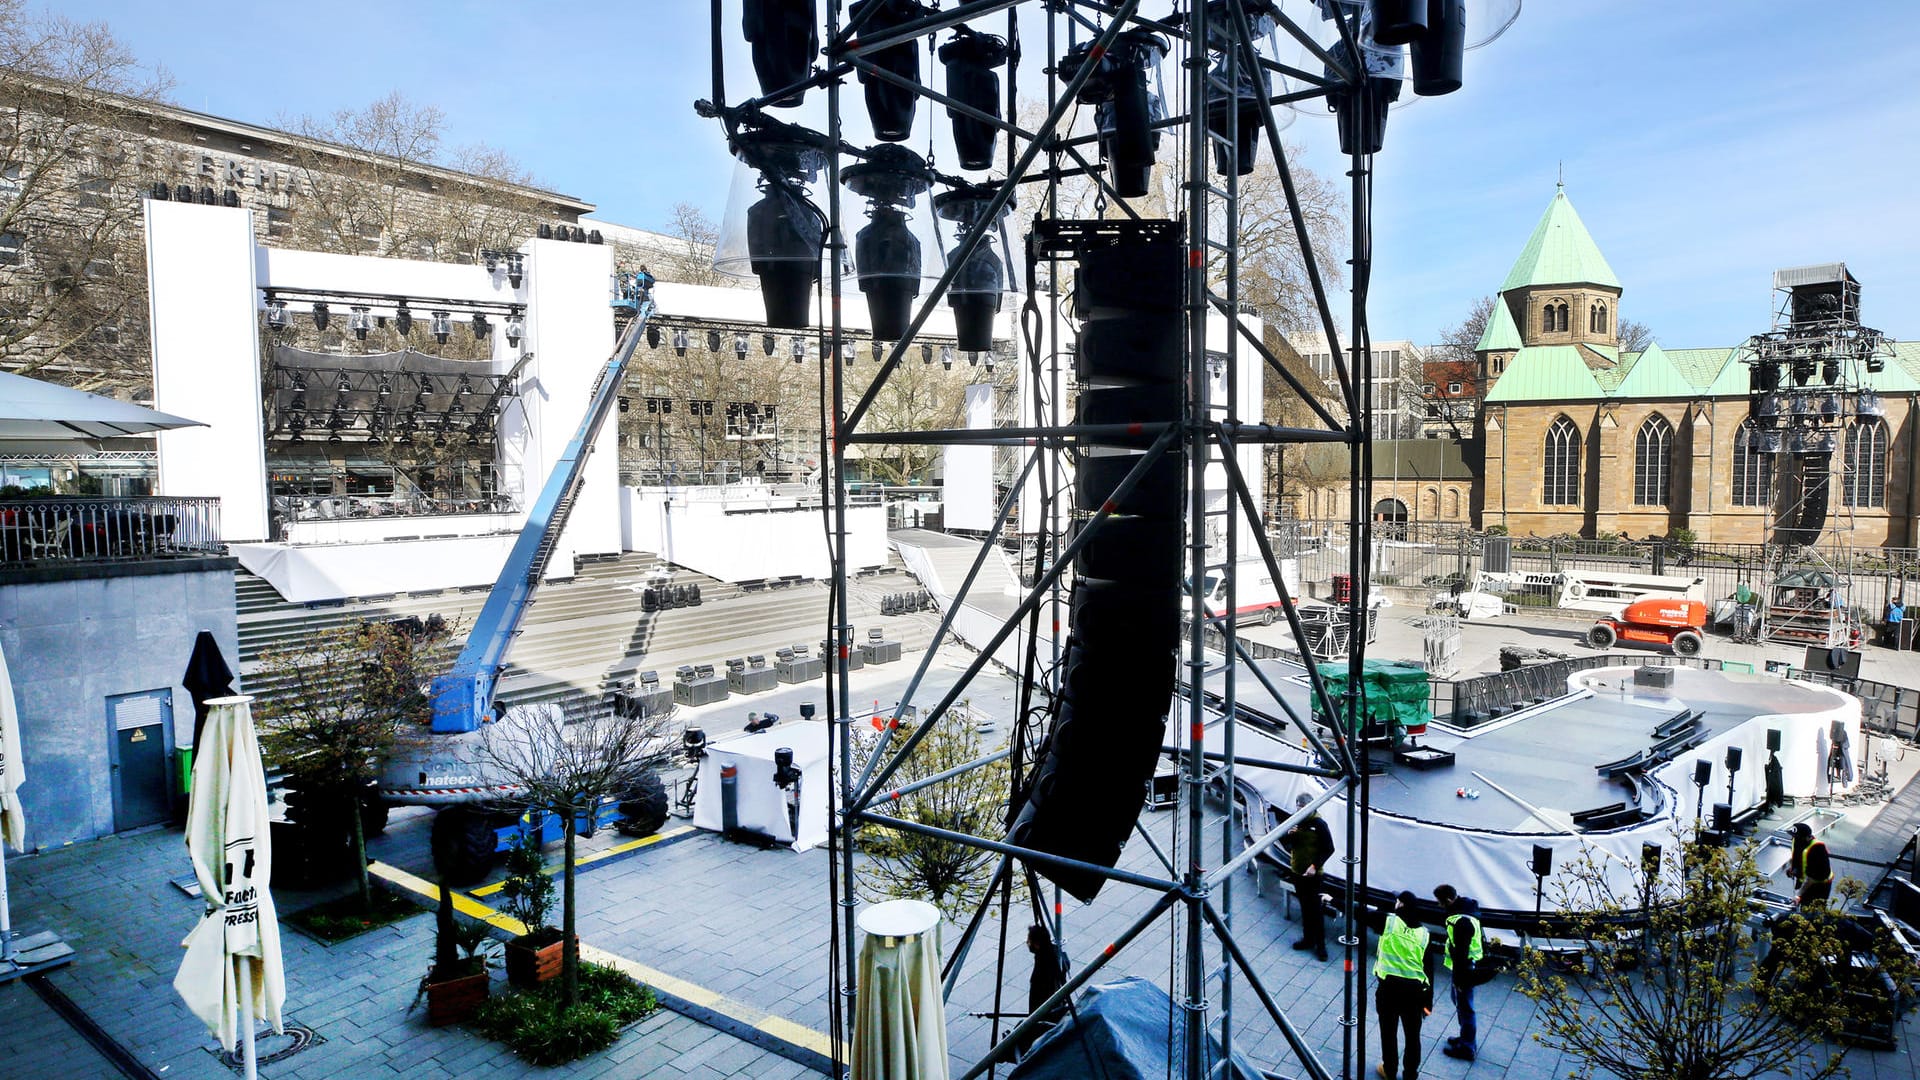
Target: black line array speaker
point(1542, 860)
point(1124, 620)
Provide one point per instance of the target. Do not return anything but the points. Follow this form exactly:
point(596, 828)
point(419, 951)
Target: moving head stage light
point(776, 237)
point(890, 105)
point(887, 256)
point(1125, 107)
point(784, 41)
point(987, 274)
point(972, 79)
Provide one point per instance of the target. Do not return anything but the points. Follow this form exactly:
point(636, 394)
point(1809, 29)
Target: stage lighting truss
point(795, 192)
point(366, 310)
point(358, 403)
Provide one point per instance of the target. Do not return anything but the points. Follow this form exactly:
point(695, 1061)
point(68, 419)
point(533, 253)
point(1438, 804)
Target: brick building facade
point(1580, 439)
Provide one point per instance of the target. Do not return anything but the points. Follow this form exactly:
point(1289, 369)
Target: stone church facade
point(1581, 439)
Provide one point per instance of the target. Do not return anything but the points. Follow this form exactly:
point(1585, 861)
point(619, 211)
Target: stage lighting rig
point(320, 314)
point(681, 341)
point(972, 60)
point(481, 327)
point(778, 238)
point(766, 344)
point(277, 314)
point(442, 326)
point(403, 320)
point(887, 256)
point(987, 274)
point(515, 328)
point(890, 105)
point(359, 320)
point(1125, 106)
point(785, 39)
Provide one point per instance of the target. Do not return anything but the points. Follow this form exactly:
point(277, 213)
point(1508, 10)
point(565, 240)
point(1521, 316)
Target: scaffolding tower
point(1227, 95)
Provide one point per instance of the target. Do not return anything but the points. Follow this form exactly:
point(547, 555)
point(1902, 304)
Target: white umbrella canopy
point(31, 409)
point(233, 956)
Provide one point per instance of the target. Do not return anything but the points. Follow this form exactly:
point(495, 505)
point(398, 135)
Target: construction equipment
point(1673, 621)
point(479, 817)
point(1606, 592)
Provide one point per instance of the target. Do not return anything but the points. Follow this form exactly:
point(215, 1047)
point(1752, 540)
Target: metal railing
point(296, 508)
point(60, 529)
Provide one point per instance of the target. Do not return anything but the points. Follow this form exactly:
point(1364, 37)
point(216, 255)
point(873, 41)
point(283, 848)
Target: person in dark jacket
point(1309, 845)
point(1404, 967)
point(1464, 948)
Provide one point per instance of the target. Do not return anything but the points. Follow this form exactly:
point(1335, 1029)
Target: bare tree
point(1634, 336)
point(690, 260)
point(336, 704)
point(72, 272)
point(1687, 1000)
point(1453, 362)
point(911, 864)
point(919, 396)
point(566, 766)
point(367, 175)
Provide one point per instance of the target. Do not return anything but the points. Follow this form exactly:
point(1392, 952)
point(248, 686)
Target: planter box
point(534, 958)
point(449, 1001)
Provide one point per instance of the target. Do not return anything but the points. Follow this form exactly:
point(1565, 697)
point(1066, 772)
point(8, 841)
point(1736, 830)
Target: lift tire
point(1267, 616)
point(373, 815)
point(645, 807)
point(1686, 643)
point(1601, 636)
point(463, 844)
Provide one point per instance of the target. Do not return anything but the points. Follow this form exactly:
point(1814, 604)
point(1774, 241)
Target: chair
point(54, 544)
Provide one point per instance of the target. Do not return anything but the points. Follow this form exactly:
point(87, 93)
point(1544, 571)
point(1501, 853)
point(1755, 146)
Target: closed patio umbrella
point(207, 677)
point(900, 1025)
point(13, 820)
point(233, 956)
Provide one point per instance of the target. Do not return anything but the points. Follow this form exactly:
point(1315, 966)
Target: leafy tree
point(955, 876)
point(72, 270)
point(338, 703)
point(565, 766)
point(1689, 999)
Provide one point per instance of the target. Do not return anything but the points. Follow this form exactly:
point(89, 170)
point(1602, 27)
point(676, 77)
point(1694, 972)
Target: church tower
point(1560, 292)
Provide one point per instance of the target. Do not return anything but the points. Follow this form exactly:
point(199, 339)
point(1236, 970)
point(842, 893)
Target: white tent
point(233, 956)
point(31, 409)
point(762, 805)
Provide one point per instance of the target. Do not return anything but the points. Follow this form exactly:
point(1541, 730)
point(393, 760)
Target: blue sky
point(1704, 144)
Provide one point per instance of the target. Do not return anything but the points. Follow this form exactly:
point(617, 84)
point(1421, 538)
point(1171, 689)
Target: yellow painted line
point(694, 994)
point(618, 849)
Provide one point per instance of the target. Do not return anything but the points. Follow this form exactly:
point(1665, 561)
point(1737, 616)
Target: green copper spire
point(1500, 332)
point(1560, 252)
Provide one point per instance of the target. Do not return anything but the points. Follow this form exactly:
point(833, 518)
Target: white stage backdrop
point(762, 804)
point(968, 470)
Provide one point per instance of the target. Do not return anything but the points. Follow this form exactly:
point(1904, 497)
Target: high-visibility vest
point(1475, 948)
point(1806, 864)
point(1403, 951)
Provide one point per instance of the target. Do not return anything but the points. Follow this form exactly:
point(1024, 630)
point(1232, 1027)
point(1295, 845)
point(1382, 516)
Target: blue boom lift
point(476, 819)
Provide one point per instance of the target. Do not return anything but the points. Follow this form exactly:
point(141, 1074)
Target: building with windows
point(1580, 438)
point(1396, 366)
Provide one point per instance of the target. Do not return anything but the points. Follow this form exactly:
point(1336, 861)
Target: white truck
point(1255, 597)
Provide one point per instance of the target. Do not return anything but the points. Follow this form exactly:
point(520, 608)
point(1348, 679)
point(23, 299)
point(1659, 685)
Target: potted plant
point(527, 895)
point(457, 982)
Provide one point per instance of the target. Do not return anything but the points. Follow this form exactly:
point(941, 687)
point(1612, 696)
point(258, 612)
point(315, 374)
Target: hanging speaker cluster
point(1088, 789)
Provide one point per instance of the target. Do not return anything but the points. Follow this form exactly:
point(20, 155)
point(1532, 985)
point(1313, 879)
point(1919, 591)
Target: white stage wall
point(747, 532)
point(206, 359)
point(967, 471)
point(382, 529)
point(570, 334)
point(308, 572)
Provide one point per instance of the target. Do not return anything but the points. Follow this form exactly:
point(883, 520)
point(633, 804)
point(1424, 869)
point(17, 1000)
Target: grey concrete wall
point(70, 644)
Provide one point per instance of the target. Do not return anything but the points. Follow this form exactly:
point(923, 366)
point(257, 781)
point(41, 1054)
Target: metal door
point(137, 726)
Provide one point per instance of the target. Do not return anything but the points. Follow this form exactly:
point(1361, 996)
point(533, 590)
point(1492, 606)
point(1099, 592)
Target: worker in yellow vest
point(1811, 867)
point(1405, 995)
point(1465, 946)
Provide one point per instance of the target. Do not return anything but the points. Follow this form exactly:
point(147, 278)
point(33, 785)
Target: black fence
point(1886, 709)
point(60, 529)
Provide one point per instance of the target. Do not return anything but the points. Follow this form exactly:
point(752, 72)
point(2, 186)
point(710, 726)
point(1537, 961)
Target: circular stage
point(1596, 773)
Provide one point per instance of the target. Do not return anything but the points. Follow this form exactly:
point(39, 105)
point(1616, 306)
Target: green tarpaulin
point(1392, 692)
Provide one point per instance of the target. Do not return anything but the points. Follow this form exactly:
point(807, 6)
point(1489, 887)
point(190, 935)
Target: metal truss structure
point(1215, 46)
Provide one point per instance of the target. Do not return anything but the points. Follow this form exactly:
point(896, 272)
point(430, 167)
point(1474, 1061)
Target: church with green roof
point(1580, 438)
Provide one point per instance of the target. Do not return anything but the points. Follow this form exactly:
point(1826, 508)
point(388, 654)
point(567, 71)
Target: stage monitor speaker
point(1837, 661)
point(1773, 740)
point(1542, 860)
point(1733, 759)
point(1722, 818)
point(1702, 772)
